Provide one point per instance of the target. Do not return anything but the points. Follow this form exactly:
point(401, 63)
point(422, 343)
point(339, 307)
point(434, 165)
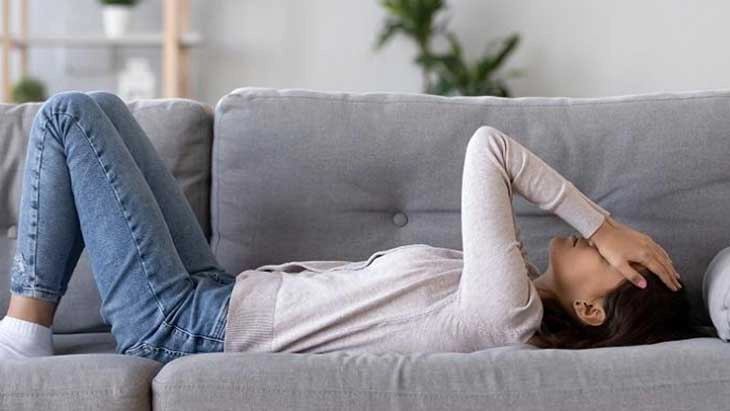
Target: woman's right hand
point(620, 244)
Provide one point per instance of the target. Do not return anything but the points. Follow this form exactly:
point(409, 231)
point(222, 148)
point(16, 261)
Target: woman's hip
point(196, 325)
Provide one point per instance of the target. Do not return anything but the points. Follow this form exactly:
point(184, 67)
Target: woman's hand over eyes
point(620, 244)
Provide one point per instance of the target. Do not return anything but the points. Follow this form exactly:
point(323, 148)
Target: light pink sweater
point(416, 297)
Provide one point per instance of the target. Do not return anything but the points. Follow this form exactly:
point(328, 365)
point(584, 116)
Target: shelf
point(189, 39)
point(174, 40)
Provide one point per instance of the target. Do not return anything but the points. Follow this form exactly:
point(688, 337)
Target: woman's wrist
point(598, 234)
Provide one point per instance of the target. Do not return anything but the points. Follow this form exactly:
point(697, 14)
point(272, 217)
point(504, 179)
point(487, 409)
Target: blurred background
point(572, 48)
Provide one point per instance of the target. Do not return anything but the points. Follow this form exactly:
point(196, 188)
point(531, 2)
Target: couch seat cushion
point(689, 374)
point(84, 374)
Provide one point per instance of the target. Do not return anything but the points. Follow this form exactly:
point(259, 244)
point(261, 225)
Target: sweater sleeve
point(494, 284)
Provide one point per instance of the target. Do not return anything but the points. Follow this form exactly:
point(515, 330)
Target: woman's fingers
point(662, 258)
point(668, 259)
point(632, 275)
point(666, 262)
point(662, 252)
point(658, 268)
point(620, 244)
point(665, 253)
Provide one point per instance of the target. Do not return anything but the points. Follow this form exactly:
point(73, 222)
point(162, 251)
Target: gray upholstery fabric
point(304, 175)
point(180, 129)
point(677, 375)
point(88, 380)
point(84, 343)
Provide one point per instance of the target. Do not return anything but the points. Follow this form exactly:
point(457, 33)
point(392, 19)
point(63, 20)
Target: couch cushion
point(304, 175)
point(84, 343)
point(689, 374)
point(94, 378)
point(180, 129)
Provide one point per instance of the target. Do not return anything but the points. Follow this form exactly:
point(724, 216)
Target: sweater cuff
point(580, 211)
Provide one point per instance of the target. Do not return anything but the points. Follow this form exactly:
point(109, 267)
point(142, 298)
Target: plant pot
point(116, 19)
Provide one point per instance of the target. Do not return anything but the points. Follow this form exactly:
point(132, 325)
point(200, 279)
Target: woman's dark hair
point(634, 316)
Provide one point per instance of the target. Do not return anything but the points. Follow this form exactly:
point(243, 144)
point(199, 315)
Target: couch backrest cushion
point(305, 175)
point(180, 129)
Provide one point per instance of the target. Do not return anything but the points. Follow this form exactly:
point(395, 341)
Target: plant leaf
point(391, 27)
point(514, 72)
point(489, 62)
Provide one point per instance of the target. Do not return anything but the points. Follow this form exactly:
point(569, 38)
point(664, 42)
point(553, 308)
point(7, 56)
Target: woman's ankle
point(31, 309)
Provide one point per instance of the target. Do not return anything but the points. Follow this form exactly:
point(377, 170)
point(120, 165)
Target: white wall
point(570, 47)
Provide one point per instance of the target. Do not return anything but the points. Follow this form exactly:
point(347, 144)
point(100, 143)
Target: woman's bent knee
point(61, 101)
point(107, 99)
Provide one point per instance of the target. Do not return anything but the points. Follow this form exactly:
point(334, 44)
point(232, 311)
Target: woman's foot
point(23, 339)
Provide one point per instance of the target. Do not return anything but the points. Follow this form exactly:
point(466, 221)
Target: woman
point(92, 179)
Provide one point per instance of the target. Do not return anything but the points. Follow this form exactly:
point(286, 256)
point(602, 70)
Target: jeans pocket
point(218, 277)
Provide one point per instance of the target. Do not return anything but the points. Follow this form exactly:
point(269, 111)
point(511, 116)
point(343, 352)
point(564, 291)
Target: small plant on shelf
point(447, 73)
point(29, 89)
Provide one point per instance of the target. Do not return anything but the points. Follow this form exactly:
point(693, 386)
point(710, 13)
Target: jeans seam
point(151, 347)
point(36, 292)
point(123, 211)
point(37, 288)
point(35, 202)
point(166, 350)
point(189, 334)
point(32, 287)
point(223, 314)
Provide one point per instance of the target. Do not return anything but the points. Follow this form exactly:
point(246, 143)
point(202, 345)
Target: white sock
point(22, 339)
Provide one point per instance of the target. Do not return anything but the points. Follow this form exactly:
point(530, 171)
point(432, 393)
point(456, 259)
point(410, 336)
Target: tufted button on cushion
point(400, 219)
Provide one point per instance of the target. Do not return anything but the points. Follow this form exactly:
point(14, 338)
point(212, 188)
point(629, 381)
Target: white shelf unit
point(175, 41)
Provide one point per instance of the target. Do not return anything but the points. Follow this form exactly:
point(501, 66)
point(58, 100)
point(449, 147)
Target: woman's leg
point(83, 187)
point(190, 242)
point(188, 236)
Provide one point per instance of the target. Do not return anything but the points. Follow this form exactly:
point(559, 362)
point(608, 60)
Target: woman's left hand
point(620, 244)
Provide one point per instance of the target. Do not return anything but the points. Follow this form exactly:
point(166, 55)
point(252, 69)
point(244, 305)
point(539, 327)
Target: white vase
point(116, 19)
point(136, 81)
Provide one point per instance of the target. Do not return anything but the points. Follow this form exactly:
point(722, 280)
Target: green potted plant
point(117, 16)
point(448, 72)
point(28, 89)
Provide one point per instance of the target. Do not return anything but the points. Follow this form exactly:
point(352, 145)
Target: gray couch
point(283, 175)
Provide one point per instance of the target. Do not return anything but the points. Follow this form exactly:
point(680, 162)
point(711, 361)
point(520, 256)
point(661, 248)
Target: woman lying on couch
point(93, 179)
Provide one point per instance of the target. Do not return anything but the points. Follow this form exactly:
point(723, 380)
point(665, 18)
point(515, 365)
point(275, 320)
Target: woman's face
point(581, 277)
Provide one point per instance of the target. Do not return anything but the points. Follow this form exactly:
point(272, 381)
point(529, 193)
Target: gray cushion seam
point(129, 391)
point(199, 106)
point(523, 393)
point(560, 101)
point(215, 173)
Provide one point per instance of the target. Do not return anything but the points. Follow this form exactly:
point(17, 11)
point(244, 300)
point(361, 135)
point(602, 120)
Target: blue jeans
point(93, 179)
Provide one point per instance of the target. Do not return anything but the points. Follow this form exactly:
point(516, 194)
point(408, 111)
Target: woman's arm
point(494, 284)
